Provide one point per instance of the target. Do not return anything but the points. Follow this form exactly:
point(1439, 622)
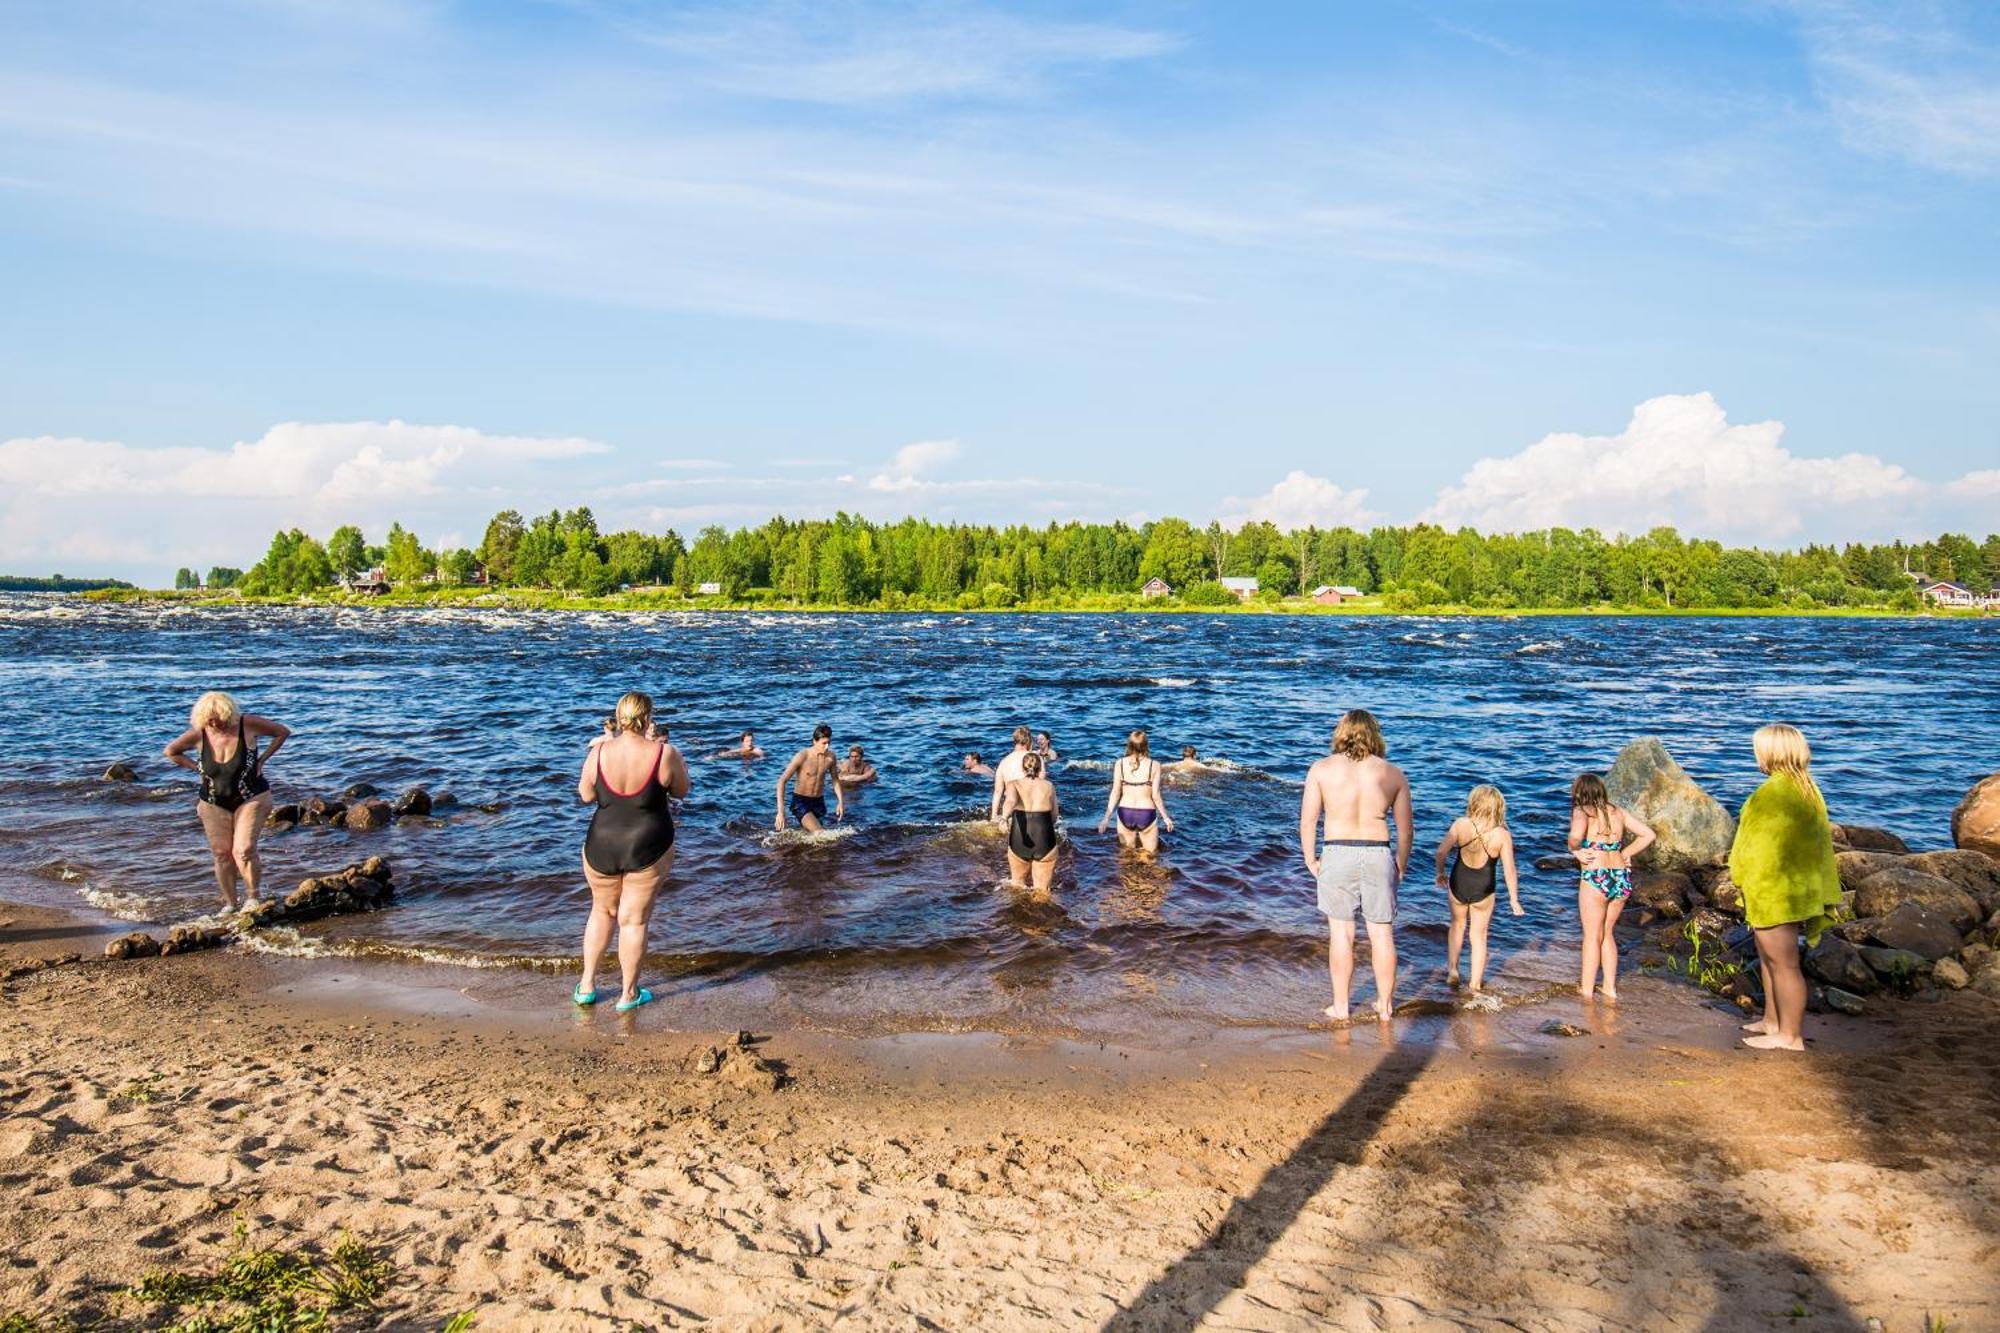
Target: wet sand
point(555, 1171)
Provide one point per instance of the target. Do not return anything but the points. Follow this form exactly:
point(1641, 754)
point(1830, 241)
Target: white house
point(1244, 589)
point(708, 590)
point(1156, 587)
point(1951, 594)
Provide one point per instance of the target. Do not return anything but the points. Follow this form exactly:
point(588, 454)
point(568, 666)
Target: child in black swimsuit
point(1476, 844)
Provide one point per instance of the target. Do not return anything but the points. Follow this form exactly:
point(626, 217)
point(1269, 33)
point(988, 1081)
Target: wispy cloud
point(1909, 78)
point(845, 52)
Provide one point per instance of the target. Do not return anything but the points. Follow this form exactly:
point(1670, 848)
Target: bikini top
point(1142, 778)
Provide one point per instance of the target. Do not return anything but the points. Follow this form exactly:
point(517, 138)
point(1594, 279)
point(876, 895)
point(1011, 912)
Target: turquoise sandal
point(582, 996)
point(643, 997)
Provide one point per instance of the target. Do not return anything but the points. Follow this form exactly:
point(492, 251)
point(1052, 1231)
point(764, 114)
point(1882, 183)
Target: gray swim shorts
point(1358, 876)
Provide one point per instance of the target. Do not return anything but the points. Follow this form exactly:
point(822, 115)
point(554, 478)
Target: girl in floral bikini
point(1604, 838)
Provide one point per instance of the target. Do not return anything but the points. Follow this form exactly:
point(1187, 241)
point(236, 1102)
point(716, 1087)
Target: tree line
point(852, 561)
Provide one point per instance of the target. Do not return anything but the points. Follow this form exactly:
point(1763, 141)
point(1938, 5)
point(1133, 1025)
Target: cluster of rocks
point(360, 887)
point(1912, 922)
point(359, 809)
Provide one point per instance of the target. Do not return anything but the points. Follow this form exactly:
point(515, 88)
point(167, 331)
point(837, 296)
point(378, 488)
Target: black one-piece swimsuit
point(631, 830)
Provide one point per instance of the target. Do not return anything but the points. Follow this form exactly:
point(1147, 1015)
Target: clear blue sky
point(1312, 261)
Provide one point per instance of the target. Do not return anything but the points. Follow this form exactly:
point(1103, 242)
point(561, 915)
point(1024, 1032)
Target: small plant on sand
point(461, 1322)
point(269, 1291)
point(143, 1091)
point(1711, 974)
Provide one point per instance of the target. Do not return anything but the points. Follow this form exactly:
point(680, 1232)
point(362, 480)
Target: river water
point(901, 917)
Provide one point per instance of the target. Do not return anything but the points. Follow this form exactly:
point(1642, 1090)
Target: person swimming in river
point(1030, 808)
point(1188, 762)
point(1604, 838)
point(855, 770)
point(1046, 748)
point(746, 748)
point(235, 797)
point(1136, 802)
point(632, 779)
point(975, 765)
point(1477, 843)
point(812, 767)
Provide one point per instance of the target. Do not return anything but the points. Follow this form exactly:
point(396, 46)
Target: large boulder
point(1861, 838)
point(1856, 867)
point(188, 938)
point(1693, 827)
point(1883, 892)
point(1667, 892)
point(1838, 963)
point(282, 816)
point(121, 772)
point(136, 945)
point(1975, 872)
point(416, 801)
point(320, 810)
point(361, 791)
point(1915, 928)
point(1723, 893)
point(1975, 824)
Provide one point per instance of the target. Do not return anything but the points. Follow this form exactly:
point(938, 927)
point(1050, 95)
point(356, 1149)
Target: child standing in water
point(1476, 844)
point(1604, 839)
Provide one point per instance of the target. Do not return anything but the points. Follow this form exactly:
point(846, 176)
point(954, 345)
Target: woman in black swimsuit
point(1476, 843)
point(629, 849)
point(1029, 808)
point(234, 794)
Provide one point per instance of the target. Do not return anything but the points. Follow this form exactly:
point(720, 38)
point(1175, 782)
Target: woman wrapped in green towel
point(1782, 860)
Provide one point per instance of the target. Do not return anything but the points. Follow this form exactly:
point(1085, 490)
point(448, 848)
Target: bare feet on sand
point(1383, 1010)
point(1337, 1012)
point(1773, 1041)
point(1610, 995)
point(1756, 1026)
point(1452, 981)
point(1585, 992)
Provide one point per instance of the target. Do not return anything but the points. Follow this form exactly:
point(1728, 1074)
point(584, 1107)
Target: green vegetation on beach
point(562, 559)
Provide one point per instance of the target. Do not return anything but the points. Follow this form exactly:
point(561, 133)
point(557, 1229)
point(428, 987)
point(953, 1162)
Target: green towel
point(1782, 858)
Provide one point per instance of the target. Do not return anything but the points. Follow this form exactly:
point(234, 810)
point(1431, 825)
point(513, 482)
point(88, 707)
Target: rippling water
point(903, 913)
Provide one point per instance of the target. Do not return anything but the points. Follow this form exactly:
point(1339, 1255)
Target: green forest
point(853, 562)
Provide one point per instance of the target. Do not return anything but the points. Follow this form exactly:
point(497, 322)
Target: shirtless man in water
point(813, 767)
point(1009, 769)
point(1355, 790)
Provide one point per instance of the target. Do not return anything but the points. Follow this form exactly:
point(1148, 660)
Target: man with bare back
point(1356, 791)
point(813, 767)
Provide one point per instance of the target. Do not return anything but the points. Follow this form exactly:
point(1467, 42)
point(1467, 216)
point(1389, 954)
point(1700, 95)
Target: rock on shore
point(363, 886)
point(1693, 828)
point(1975, 824)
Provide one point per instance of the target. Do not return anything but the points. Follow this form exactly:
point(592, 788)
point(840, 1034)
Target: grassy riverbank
point(546, 599)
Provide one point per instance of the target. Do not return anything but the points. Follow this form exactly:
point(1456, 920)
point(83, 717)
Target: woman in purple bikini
point(1136, 802)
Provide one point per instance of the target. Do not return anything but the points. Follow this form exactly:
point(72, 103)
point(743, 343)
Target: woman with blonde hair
point(629, 849)
point(1477, 842)
point(235, 797)
point(1604, 838)
point(1135, 796)
point(1782, 860)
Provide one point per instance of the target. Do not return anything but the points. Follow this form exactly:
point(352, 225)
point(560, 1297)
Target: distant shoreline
point(519, 599)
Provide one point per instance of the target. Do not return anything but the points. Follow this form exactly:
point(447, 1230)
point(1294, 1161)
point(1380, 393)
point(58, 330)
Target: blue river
point(902, 914)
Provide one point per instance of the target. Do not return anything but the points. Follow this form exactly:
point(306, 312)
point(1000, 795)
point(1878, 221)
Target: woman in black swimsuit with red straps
point(632, 779)
point(235, 797)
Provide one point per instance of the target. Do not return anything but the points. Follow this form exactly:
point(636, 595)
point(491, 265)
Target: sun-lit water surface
point(902, 915)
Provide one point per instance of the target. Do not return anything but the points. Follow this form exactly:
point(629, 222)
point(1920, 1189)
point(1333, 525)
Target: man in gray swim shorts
point(1355, 792)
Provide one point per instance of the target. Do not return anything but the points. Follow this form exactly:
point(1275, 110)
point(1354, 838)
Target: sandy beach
point(551, 1171)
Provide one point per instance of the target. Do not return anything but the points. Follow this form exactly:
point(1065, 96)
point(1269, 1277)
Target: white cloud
point(913, 461)
point(1678, 461)
point(1981, 485)
point(1303, 501)
point(107, 502)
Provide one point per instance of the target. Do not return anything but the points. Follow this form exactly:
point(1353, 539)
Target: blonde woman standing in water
point(632, 780)
point(1783, 862)
point(1604, 838)
point(1135, 797)
point(234, 794)
point(1476, 844)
